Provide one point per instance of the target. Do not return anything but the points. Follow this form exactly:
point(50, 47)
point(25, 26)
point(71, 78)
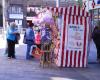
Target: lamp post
point(3, 10)
point(4, 18)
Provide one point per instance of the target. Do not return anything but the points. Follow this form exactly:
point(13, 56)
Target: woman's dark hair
point(96, 27)
point(31, 24)
point(38, 30)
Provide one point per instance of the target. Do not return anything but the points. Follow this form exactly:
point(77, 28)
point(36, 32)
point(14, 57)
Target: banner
point(75, 37)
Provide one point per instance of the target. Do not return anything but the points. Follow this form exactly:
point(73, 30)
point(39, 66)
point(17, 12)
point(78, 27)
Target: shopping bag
point(17, 38)
point(36, 53)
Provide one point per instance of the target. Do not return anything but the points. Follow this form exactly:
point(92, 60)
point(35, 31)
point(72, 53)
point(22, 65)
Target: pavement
point(22, 69)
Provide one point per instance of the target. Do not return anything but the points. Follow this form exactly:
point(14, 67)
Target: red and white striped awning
point(71, 10)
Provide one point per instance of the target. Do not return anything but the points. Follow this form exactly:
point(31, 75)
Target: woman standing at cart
point(30, 37)
point(11, 38)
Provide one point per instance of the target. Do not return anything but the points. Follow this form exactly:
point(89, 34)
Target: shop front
point(94, 9)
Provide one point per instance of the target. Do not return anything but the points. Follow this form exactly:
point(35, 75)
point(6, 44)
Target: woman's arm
point(12, 31)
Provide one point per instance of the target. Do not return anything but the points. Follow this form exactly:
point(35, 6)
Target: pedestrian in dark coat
point(96, 39)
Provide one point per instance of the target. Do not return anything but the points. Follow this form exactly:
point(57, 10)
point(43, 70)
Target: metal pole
point(3, 9)
point(57, 3)
point(88, 6)
point(4, 18)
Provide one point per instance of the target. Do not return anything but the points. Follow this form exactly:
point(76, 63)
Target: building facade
point(16, 10)
point(93, 6)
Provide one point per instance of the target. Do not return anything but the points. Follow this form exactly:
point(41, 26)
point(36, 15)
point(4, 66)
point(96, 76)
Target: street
point(22, 69)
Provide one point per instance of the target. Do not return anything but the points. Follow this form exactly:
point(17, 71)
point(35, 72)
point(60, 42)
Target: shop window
point(31, 13)
point(99, 12)
point(15, 10)
point(96, 12)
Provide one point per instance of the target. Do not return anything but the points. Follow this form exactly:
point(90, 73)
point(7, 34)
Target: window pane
point(96, 12)
point(15, 10)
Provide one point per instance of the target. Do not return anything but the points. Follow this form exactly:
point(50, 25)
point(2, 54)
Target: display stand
point(74, 33)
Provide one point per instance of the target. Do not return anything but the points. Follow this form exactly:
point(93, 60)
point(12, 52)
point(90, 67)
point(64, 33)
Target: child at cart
point(45, 46)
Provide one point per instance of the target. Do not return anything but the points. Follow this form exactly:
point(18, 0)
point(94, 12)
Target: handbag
point(36, 53)
point(24, 39)
point(17, 37)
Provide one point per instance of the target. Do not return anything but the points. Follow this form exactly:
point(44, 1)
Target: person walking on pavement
point(11, 37)
point(30, 37)
point(96, 39)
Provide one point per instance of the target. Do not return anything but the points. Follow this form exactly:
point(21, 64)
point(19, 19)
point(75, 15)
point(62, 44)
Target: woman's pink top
point(38, 38)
